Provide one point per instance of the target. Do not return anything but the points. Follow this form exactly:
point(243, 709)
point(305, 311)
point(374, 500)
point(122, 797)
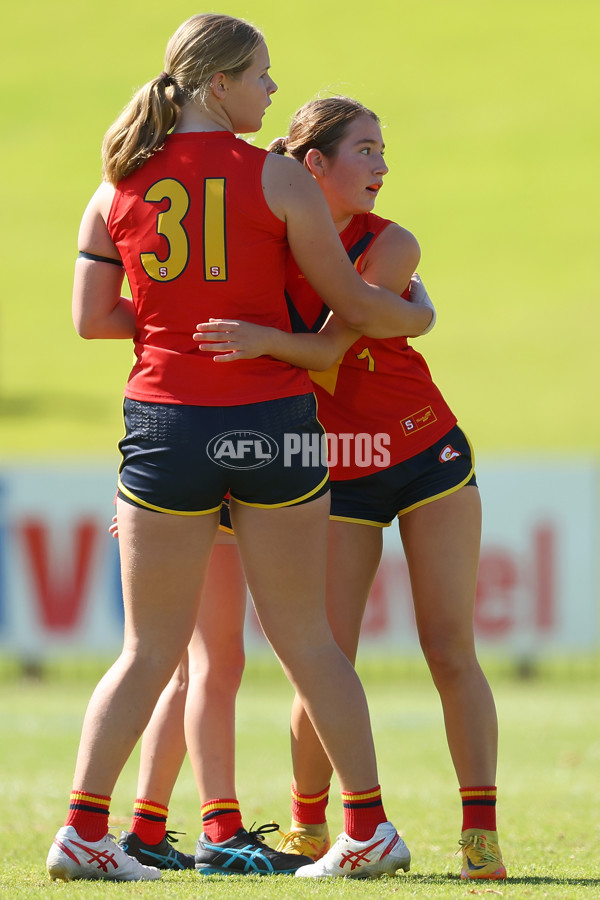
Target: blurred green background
point(491, 123)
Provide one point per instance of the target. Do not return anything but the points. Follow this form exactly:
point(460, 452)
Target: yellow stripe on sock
point(149, 807)
point(369, 795)
point(212, 805)
point(467, 793)
point(89, 798)
point(308, 799)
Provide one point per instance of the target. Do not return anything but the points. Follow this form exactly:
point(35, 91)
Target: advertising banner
point(537, 588)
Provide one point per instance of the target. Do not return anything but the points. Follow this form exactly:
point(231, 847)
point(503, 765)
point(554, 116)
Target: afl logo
point(449, 453)
point(242, 450)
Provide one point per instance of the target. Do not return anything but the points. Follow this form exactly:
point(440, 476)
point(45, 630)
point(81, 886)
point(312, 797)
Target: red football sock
point(221, 819)
point(363, 812)
point(149, 821)
point(88, 814)
point(309, 809)
point(479, 807)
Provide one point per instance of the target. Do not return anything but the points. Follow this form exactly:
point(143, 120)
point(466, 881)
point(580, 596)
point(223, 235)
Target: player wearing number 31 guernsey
point(180, 192)
point(202, 223)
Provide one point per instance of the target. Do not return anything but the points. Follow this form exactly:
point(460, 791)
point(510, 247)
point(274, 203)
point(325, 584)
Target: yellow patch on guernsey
point(327, 379)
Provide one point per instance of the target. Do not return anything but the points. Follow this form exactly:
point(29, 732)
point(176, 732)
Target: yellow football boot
point(481, 855)
point(305, 840)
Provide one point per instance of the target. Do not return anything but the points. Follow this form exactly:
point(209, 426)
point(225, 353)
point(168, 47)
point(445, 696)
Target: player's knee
point(448, 660)
point(221, 673)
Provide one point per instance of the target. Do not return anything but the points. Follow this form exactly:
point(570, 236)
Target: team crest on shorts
point(448, 453)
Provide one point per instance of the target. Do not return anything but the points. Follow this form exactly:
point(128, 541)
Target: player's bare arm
point(99, 310)
point(390, 263)
point(235, 340)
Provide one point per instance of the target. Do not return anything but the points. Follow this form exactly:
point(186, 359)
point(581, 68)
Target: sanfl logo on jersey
point(449, 453)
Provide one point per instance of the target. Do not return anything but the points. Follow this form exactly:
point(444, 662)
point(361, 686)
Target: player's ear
point(315, 162)
point(218, 85)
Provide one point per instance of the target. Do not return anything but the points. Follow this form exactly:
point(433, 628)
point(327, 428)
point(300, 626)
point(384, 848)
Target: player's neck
point(194, 117)
point(341, 222)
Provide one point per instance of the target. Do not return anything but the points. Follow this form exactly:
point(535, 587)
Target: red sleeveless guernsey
point(381, 387)
point(198, 240)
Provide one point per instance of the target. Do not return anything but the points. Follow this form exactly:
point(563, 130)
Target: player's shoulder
point(288, 186)
point(394, 232)
point(100, 202)
point(285, 168)
point(395, 240)
point(104, 195)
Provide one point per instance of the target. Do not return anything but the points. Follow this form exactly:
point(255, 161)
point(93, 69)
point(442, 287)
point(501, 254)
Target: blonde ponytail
point(141, 128)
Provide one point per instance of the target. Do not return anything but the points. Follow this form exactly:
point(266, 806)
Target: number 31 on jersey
point(169, 223)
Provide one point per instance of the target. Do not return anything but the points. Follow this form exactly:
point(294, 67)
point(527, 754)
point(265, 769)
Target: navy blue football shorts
point(378, 498)
point(225, 517)
point(185, 459)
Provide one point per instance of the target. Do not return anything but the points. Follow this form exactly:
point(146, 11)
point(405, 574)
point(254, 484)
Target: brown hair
point(321, 125)
point(202, 46)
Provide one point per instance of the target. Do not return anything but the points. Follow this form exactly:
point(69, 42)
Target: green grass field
point(492, 142)
point(549, 793)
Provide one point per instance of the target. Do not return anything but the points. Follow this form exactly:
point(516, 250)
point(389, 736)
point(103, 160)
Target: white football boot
point(71, 858)
point(383, 854)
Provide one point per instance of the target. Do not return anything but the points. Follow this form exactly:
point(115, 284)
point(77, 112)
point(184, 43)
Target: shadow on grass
point(549, 879)
point(531, 880)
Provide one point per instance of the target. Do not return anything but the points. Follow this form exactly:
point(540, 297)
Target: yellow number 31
point(169, 223)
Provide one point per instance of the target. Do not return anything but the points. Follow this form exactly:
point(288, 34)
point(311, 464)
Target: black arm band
point(95, 258)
